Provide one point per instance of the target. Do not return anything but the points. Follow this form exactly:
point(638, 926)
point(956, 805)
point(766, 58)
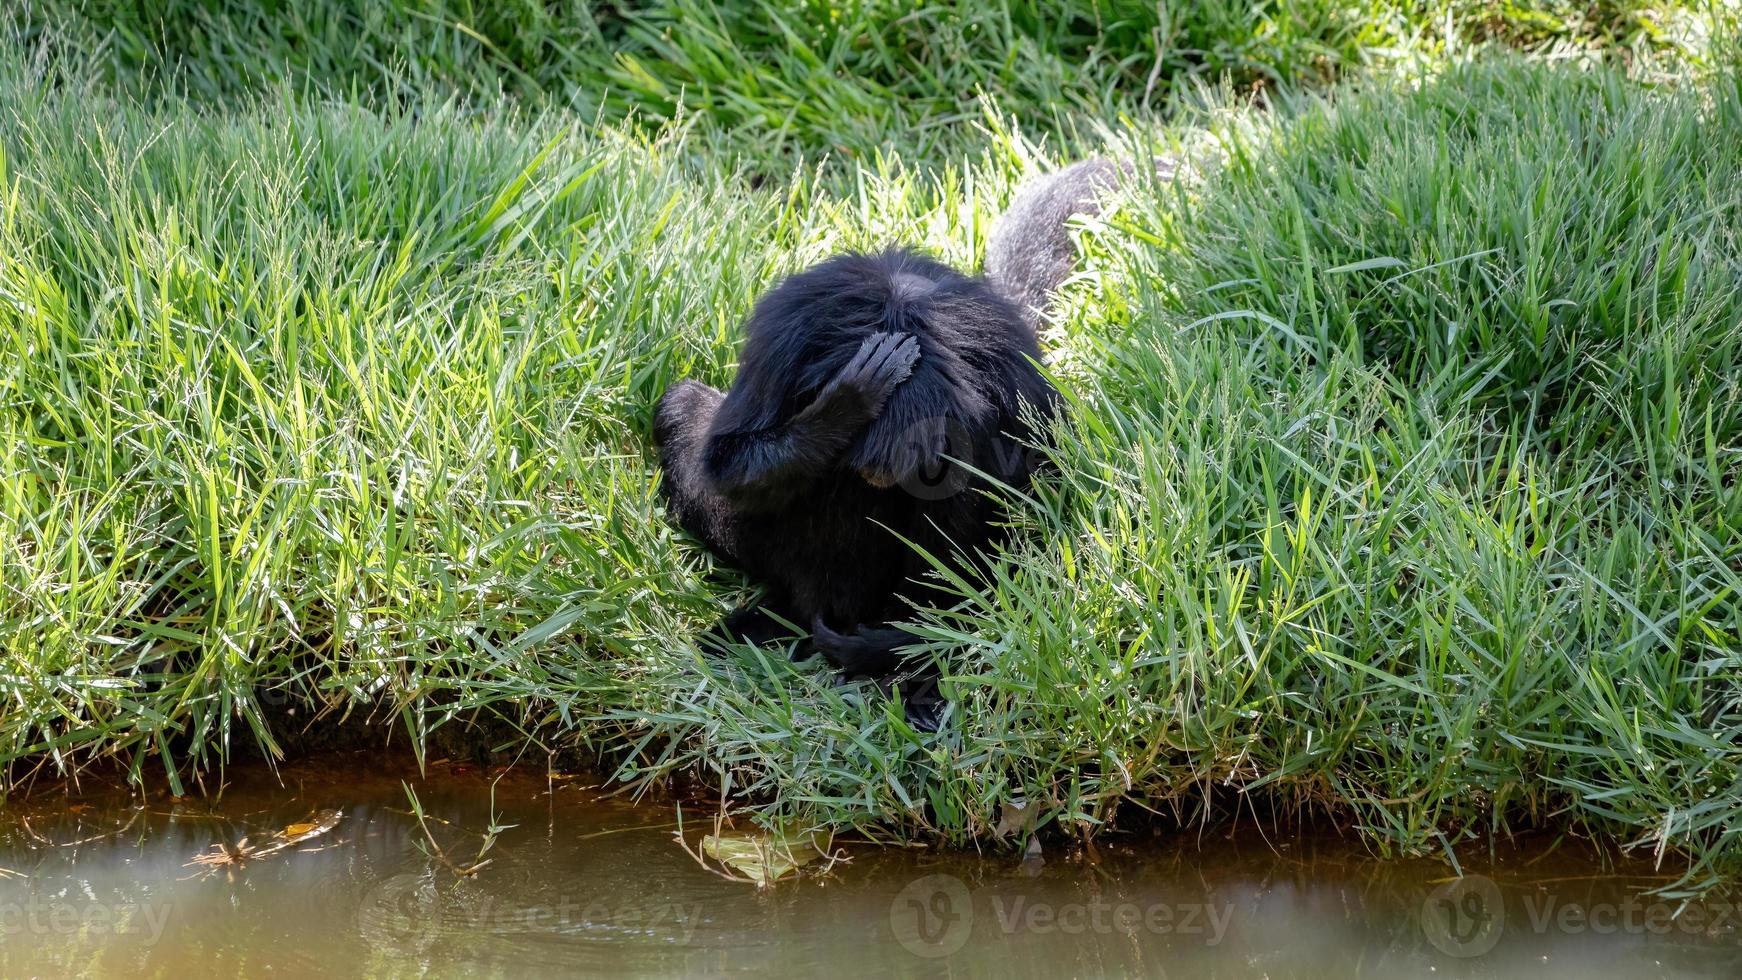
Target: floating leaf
point(224, 854)
point(767, 857)
point(1013, 817)
point(319, 824)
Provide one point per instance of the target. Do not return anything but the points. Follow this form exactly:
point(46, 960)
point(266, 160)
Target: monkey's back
point(839, 547)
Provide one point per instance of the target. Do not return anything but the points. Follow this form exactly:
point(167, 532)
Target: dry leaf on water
point(225, 854)
point(766, 857)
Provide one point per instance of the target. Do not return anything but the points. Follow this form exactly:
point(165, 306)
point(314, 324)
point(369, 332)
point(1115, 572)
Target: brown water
point(102, 883)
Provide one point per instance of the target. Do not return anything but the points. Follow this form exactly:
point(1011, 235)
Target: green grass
point(1399, 483)
point(783, 80)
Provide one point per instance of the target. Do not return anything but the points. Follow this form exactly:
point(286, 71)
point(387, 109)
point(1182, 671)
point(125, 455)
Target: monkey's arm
point(761, 470)
point(876, 651)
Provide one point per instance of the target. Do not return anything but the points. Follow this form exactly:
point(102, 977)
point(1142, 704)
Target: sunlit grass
point(781, 80)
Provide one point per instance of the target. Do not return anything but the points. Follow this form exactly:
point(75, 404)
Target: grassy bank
point(783, 80)
point(1400, 482)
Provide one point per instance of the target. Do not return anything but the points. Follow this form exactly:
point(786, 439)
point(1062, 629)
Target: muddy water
point(99, 882)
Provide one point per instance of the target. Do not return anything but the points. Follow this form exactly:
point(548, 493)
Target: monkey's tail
point(1029, 252)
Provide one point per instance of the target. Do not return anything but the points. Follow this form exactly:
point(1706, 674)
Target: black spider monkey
point(865, 384)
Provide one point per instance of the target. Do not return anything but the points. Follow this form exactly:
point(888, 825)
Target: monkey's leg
point(875, 652)
point(757, 624)
point(680, 427)
point(761, 470)
point(680, 424)
point(868, 651)
point(921, 700)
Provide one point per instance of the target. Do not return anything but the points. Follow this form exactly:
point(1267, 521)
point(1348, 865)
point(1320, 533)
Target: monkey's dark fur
point(862, 381)
point(865, 383)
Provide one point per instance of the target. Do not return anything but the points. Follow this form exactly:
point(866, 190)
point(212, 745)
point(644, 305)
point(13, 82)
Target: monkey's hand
point(762, 470)
point(882, 362)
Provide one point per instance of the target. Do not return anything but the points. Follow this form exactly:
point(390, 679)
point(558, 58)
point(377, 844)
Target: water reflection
point(103, 885)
